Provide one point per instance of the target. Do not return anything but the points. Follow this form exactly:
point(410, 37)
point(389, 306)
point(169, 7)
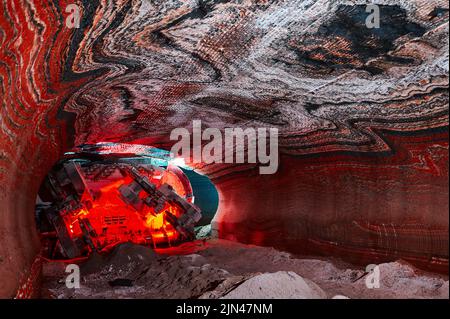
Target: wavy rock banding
point(362, 114)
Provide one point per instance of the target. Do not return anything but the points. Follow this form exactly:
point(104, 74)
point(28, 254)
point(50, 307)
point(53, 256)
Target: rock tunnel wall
point(366, 209)
point(362, 113)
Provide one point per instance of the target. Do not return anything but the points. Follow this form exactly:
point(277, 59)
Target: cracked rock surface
point(223, 269)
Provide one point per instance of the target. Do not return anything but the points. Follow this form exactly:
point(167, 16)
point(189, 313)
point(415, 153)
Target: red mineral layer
point(364, 209)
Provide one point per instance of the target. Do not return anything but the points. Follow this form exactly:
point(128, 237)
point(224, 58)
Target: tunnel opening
point(99, 196)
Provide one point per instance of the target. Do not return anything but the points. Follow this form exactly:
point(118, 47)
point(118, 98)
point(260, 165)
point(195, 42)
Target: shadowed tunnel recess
point(106, 194)
point(362, 115)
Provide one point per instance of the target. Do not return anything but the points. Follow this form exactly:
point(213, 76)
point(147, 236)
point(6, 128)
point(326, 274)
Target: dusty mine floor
point(222, 269)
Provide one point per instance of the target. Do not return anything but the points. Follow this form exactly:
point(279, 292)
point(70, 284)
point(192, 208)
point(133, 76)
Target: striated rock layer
point(362, 113)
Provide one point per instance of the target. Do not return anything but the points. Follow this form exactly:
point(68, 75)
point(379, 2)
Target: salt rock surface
point(401, 276)
point(400, 279)
point(340, 297)
point(203, 232)
point(122, 257)
point(279, 285)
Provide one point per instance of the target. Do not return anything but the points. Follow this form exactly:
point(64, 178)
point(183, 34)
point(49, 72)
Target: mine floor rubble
point(212, 268)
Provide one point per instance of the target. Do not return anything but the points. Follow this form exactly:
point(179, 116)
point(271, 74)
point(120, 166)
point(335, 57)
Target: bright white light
point(178, 161)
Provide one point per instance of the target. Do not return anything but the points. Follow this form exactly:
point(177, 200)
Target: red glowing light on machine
point(143, 204)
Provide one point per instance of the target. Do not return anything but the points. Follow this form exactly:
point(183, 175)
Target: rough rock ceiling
point(310, 68)
point(362, 113)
